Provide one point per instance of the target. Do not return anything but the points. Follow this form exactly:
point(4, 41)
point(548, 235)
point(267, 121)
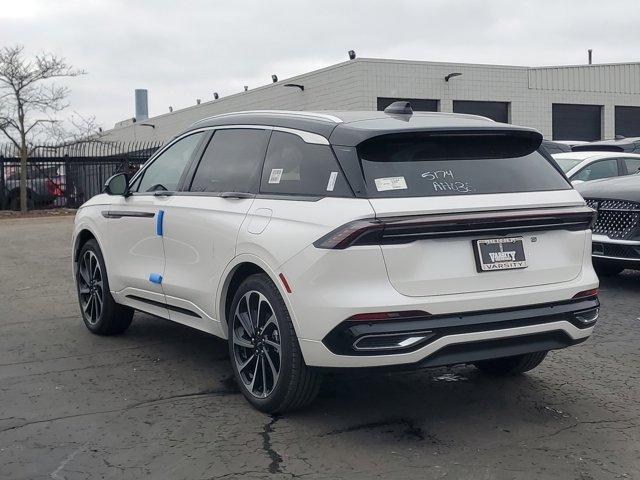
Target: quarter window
point(231, 162)
point(165, 171)
point(294, 167)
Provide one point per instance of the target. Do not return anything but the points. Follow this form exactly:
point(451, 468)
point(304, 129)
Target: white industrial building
point(573, 102)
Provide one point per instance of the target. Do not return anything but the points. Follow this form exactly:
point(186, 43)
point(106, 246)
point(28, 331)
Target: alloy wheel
point(256, 344)
point(90, 287)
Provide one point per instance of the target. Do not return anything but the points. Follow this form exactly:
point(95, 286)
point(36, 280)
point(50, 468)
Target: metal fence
point(67, 175)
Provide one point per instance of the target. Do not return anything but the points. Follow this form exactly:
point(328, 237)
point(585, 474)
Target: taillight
point(361, 232)
point(405, 229)
point(54, 188)
point(592, 292)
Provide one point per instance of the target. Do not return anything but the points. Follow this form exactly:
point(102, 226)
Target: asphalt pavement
point(160, 401)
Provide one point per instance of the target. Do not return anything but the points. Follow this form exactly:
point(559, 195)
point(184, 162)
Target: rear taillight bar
point(406, 229)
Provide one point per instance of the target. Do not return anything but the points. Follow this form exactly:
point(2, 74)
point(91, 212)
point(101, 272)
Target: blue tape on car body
point(155, 278)
point(159, 220)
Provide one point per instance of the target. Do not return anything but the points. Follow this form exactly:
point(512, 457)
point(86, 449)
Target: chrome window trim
point(307, 137)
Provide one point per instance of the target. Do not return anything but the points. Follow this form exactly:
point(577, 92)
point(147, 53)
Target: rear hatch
point(466, 212)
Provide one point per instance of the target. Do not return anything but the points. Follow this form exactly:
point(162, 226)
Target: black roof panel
point(349, 128)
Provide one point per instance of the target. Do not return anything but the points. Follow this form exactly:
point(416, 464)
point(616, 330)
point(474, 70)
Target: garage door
point(498, 111)
point(628, 121)
point(577, 122)
point(417, 104)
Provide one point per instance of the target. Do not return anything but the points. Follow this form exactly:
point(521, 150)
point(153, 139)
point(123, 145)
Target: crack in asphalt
point(267, 446)
point(411, 429)
point(79, 355)
point(160, 400)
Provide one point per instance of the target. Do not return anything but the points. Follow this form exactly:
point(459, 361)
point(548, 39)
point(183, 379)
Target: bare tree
point(29, 101)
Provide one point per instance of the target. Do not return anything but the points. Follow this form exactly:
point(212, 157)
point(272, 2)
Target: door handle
point(236, 195)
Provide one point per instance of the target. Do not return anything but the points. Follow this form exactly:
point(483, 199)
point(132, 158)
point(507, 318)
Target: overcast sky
point(182, 50)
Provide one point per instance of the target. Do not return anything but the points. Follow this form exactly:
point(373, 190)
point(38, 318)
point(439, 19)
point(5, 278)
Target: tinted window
point(231, 162)
point(165, 171)
point(416, 165)
point(633, 164)
point(597, 170)
point(567, 164)
point(293, 166)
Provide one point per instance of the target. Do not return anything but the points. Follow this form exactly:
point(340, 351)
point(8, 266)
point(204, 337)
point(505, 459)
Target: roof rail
point(321, 116)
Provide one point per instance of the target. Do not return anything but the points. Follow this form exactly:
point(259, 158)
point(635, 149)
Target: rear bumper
point(458, 338)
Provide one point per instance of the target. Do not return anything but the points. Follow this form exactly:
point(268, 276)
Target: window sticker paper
point(276, 175)
point(390, 183)
point(332, 181)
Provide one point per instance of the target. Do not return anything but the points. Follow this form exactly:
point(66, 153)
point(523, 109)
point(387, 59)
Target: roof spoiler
point(454, 144)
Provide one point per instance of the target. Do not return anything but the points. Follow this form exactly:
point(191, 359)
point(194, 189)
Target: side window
point(165, 171)
point(231, 162)
point(597, 170)
point(632, 164)
point(295, 167)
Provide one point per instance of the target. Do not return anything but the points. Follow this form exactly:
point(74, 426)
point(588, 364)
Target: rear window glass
point(294, 167)
point(422, 165)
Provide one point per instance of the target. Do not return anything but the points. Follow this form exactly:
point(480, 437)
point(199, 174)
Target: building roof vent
point(399, 108)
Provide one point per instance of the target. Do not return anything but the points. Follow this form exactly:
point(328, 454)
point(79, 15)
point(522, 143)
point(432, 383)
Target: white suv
point(315, 241)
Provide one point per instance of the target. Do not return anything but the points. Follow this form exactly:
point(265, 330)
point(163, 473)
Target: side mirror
point(118, 184)
point(576, 182)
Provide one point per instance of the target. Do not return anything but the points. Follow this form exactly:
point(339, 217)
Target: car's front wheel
point(264, 350)
point(101, 314)
point(511, 365)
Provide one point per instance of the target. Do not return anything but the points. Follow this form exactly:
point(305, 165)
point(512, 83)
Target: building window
point(628, 121)
point(576, 122)
point(498, 111)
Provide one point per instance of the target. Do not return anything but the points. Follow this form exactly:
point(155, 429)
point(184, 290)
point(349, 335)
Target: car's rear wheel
point(101, 314)
point(511, 365)
point(263, 346)
point(606, 268)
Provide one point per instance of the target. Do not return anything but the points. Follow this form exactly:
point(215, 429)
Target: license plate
point(500, 254)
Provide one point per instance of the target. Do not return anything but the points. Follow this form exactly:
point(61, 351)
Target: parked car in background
point(48, 185)
point(587, 166)
point(619, 144)
point(317, 241)
point(555, 147)
point(45, 186)
point(616, 233)
point(571, 143)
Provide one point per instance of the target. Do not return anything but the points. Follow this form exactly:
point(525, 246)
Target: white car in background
point(586, 166)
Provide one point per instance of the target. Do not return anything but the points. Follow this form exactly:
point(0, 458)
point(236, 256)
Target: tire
point(264, 350)
point(100, 313)
point(508, 366)
point(607, 269)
